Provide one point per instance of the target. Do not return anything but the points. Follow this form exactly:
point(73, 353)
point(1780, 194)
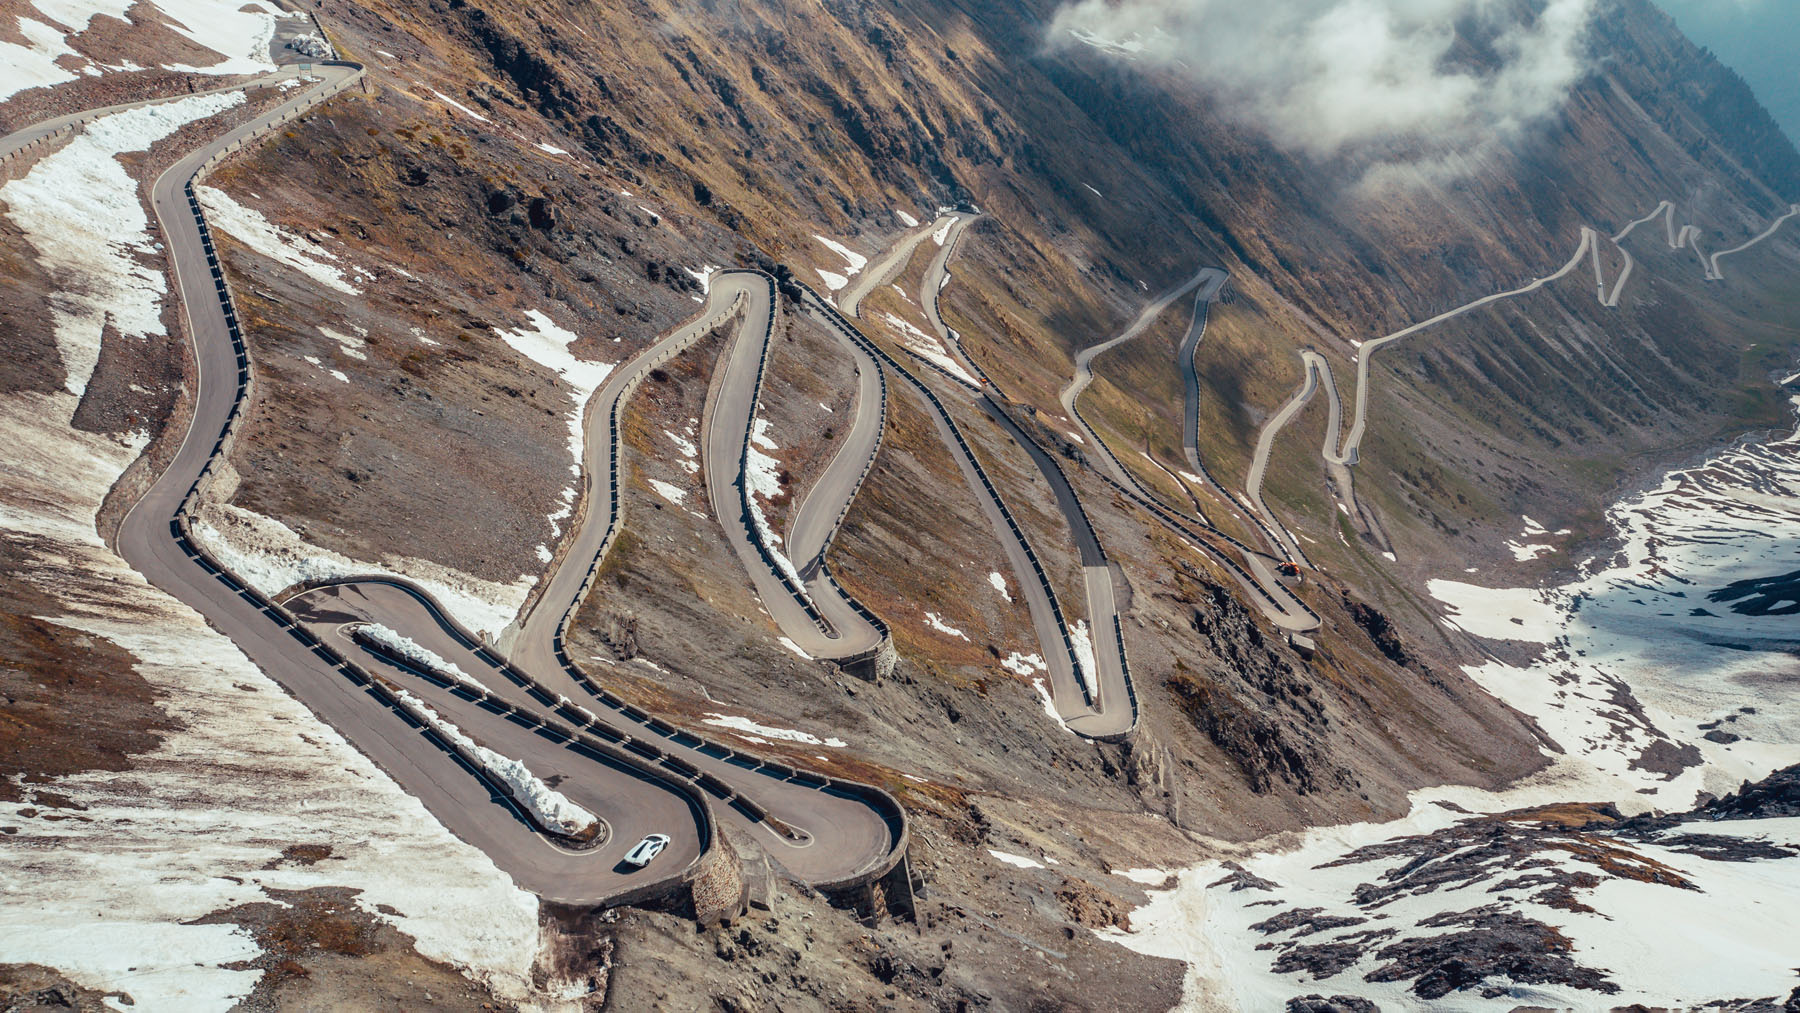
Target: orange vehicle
point(1289, 568)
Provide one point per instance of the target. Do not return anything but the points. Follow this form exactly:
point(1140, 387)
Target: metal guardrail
point(837, 320)
point(181, 530)
point(672, 771)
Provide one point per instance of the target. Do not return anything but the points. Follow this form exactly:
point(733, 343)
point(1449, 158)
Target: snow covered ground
point(199, 822)
point(1647, 621)
point(248, 226)
point(49, 29)
point(79, 211)
point(272, 557)
point(1641, 652)
point(744, 725)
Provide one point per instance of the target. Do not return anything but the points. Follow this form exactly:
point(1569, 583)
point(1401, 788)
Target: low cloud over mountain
point(1383, 81)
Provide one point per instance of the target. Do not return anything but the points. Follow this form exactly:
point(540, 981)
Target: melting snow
point(1024, 664)
point(745, 725)
point(926, 347)
point(239, 32)
point(942, 627)
point(546, 804)
point(905, 219)
point(271, 557)
point(1049, 704)
point(248, 226)
point(415, 654)
point(79, 209)
point(353, 346)
point(832, 281)
point(673, 493)
point(704, 276)
point(40, 60)
point(1084, 656)
point(762, 476)
point(855, 261)
point(459, 107)
point(943, 233)
point(547, 344)
point(796, 648)
point(999, 584)
point(1020, 861)
point(551, 149)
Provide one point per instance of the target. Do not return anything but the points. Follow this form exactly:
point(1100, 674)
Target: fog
point(1384, 81)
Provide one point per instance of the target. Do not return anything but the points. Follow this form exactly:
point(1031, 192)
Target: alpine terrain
point(895, 505)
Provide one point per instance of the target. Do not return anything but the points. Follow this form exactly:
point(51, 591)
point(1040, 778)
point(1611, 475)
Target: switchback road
point(1341, 457)
point(648, 776)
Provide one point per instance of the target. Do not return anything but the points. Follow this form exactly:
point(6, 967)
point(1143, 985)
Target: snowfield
point(238, 32)
point(1653, 625)
point(80, 211)
point(1656, 622)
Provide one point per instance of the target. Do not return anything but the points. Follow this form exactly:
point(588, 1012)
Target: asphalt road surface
point(826, 835)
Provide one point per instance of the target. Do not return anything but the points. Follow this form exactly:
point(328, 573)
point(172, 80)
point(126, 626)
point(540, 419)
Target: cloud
point(1386, 82)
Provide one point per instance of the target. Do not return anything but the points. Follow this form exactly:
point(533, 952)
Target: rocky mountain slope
point(435, 269)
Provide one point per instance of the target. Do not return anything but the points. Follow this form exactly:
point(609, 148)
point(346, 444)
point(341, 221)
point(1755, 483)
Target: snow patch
point(1017, 861)
point(79, 209)
point(998, 583)
point(240, 33)
point(673, 493)
point(853, 260)
point(832, 281)
point(905, 219)
point(248, 226)
point(269, 556)
point(1050, 705)
point(926, 347)
point(353, 346)
point(459, 107)
point(551, 149)
point(939, 625)
point(745, 725)
point(1084, 657)
point(1024, 664)
point(415, 654)
point(762, 476)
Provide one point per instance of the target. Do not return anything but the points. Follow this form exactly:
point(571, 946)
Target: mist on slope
point(1414, 84)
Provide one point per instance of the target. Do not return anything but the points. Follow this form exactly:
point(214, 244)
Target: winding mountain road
point(638, 774)
point(1341, 456)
